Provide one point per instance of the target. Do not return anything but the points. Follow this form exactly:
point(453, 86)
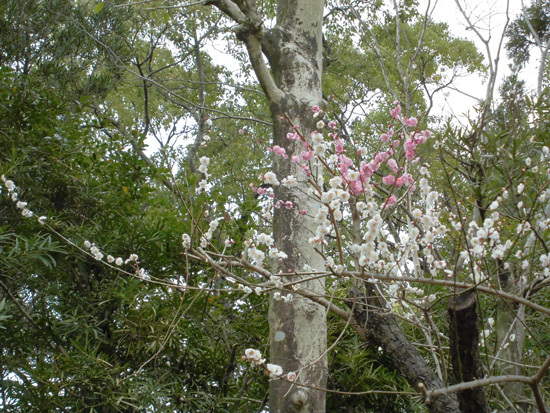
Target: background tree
point(528, 30)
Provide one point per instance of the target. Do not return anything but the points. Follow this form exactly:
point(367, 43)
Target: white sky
point(491, 17)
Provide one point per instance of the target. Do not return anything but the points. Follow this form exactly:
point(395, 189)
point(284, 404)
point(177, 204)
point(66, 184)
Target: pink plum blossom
point(356, 187)
point(392, 163)
point(389, 179)
point(396, 111)
point(410, 122)
point(279, 151)
point(339, 146)
point(409, 145)
point(365, 171)
point(344, 163)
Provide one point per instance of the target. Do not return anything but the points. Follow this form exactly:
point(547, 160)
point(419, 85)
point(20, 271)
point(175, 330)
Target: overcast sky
point(490, 16)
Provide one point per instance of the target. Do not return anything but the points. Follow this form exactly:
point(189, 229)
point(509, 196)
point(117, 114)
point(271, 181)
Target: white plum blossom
point(520, 188)
point(274, 370)
point(271, 178)
point(257, 255)
point(274, 253)
point(276, 280)
point(336, 182)
point(317, 138)
point(202, 186)
point(186, 241)
point(290, 181)
point(253, 356)
point(265, 239)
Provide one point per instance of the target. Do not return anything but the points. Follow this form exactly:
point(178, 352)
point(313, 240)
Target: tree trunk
point(382, 329)
point(510, 335)
point(297, 328)
point(464, 343)
point(292, 86)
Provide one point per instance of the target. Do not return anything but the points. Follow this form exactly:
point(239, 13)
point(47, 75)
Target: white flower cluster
point(26, 212)
point(277, 281)
point(324, 226)
point(203, 168)
point(186, 241)
point(278, 297)
point(265, 239)
point(253, 356)
point(337, 268)
point(98, 255)
point(290, 181)
point(245, 288)
point(270, 178)
point(257, 255)
point(274, 370)
point(318, 143)
point(255, 359)
point(209, 234)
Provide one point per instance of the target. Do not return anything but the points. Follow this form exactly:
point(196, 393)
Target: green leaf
point(98, 7)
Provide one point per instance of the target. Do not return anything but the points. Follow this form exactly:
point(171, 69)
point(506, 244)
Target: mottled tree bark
point(464, 344)
point(292, 85)
point(298, 328)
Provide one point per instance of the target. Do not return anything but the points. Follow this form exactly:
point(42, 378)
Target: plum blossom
point(392, 163)
point(274, 370)
point(253, 356)
point(9, 185)
point(520, 188)
point(186, 241)
point(271, 178)
point(410, 122)
point(279, 151)
point(388, 179)
point(396, 111)
point(290, 181)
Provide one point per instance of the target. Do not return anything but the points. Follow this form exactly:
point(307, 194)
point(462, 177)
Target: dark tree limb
point(464, 340)
point(382, 329)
